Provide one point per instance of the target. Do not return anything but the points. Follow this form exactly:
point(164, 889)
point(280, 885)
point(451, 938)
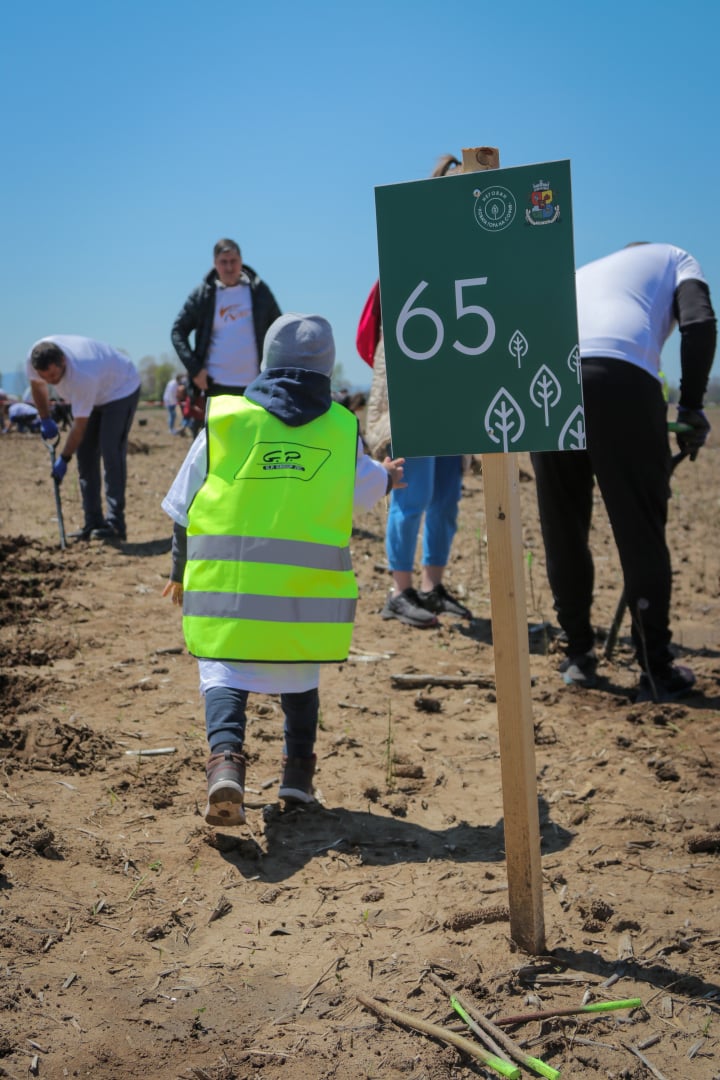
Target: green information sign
point(477, 283)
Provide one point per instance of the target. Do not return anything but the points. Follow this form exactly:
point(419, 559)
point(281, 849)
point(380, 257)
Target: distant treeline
point(155, 374)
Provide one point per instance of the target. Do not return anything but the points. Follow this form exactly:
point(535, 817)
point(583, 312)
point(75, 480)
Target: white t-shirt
point(232, 358)
point(170, 393)
point(370, 485)
point(95, 373)
point(21, 410)
point(625, 302)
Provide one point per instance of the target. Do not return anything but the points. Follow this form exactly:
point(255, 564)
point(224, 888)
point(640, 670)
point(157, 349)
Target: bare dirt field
point(137, 941)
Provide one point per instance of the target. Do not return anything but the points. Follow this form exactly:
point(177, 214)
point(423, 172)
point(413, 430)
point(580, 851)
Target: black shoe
point(439, 600)
point(406, 607)
point(81, 534)
point(580, 670)
point(669, 684)
point(108, 532)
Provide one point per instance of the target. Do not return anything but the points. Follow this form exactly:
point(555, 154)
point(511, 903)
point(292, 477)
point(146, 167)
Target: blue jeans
point(434, 487)
point(106, 437)
point(172, 413)
point(225, 720)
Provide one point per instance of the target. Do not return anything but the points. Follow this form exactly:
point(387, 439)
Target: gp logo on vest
point(282, 460)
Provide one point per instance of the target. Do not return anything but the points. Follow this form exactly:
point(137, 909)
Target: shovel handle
point(611, 639)
point(51, 445)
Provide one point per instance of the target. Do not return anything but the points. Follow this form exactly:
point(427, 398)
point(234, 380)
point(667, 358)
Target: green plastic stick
point(533, 1063)
point(608, 1006)
point(505, 1068)
point(548, 1014)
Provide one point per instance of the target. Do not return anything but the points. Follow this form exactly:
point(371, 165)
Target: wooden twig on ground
point(648, 1065)
point(368, 658)
point(151, 752)
point(222, 907)
point(417, 682)
point(306, 1000)
point(505, 1068)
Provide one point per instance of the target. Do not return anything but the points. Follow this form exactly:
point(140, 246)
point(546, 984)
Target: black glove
point(691, 442)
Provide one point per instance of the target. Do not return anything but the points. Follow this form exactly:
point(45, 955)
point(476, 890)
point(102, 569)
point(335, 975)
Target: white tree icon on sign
point(572, 436)
point(573, 361)
point(545, 391)
point(504, 419)
point(518, 346)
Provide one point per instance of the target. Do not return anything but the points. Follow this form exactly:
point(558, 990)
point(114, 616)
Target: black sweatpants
point(106, 437)
point(629, 455)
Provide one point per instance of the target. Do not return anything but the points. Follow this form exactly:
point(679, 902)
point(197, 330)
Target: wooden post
point(512, 674)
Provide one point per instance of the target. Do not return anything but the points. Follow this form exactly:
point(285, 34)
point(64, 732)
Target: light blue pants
point(434, 487)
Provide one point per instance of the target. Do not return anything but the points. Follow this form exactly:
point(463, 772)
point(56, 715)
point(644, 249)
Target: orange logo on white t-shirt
point(232, 312)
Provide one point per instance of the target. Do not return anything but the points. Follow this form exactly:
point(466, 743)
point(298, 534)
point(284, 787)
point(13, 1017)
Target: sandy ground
point(137, 941)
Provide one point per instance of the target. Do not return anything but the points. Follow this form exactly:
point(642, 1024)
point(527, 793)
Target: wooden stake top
point(475, 158)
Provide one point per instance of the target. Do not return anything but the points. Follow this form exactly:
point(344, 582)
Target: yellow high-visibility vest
point(268, 574)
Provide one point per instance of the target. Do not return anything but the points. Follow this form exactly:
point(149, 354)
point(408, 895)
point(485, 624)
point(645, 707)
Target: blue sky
point(136, 134)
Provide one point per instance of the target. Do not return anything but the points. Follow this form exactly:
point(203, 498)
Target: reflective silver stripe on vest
point(263, 549)
point(302, 609)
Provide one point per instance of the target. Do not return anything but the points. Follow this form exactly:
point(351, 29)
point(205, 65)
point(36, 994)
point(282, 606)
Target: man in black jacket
point(229, 315)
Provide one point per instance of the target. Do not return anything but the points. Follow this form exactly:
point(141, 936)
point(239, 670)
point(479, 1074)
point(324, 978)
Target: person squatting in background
point(628, 303)
point(22, 417)
point(262, 510)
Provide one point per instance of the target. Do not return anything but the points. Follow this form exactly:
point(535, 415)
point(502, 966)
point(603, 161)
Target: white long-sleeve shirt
point(371, 480)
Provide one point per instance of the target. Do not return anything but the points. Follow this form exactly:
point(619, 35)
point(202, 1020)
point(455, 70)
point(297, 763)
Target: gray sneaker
point(226, 789)
point(408, 608)
point(439, 600)
point(580, 670)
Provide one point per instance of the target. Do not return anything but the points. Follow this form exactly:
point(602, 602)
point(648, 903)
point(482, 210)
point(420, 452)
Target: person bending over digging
point(262, 510)
point(628, 303)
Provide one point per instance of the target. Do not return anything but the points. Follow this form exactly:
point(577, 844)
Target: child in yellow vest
point(262, 511)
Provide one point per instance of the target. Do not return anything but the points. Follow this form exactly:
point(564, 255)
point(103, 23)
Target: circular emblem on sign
point(495, 208)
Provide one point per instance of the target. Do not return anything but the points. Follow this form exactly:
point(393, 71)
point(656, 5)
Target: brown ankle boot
point(297, 779)
point(226, 789)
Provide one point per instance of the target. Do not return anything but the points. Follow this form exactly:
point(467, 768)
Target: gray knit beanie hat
point(300, 341)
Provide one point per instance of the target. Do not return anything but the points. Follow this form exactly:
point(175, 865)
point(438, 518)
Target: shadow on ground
point(293, 837)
